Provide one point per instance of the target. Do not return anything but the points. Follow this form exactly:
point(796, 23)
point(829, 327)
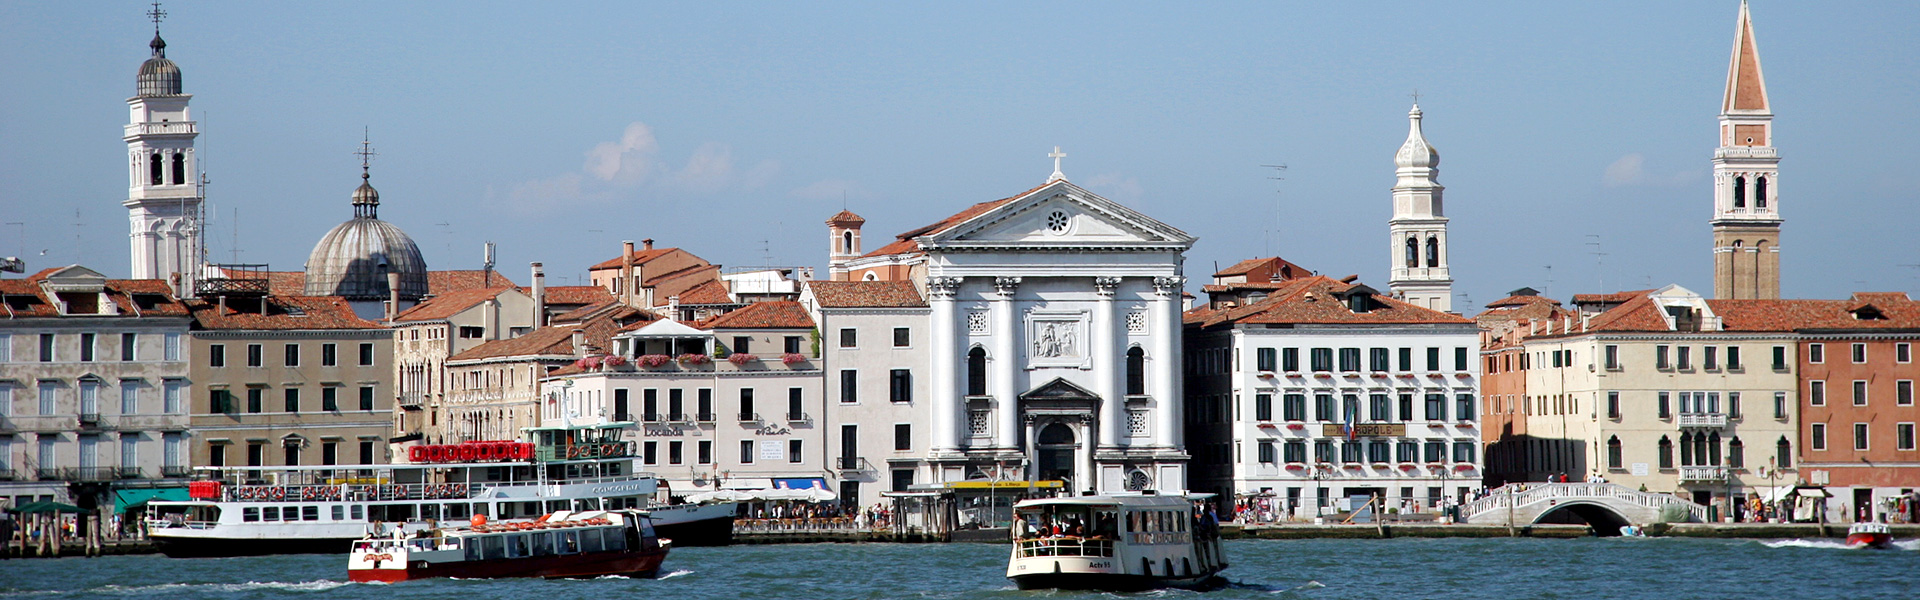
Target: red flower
point(741, 358)
point(793, 357)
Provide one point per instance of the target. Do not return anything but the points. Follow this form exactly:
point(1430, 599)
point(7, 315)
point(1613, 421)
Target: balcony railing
point(651, 417)
point(749, 417)
point(798, 417)
point(175, 472)
point(410, 400)
point(678, 418)
point(853, 464)
point(95, 473)
point(1703, 419)
point(47, 473)
point(1703, 474)
point(127, 472)
point(89, 420)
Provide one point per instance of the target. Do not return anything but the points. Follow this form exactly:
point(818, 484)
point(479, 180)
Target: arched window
point(1413, 253)
point(977, 372)
point(154, 175)
point(1739, 243)
point(1739, 192)
point(1783, 454)
point(1712, 457)
point(846, 242)
point(1736, 453)
point(1686, 449)
point(1666, 453)
point(1614, 460)
point(179, 168)
point(1760, 192)
point(1433, 252)
point(1136, 372)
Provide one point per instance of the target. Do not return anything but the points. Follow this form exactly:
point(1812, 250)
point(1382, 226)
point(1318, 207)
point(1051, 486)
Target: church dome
point(352, 260)
point(1416, 153)
point(159, 76)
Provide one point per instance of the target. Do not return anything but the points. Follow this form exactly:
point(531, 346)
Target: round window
point(1057, 221)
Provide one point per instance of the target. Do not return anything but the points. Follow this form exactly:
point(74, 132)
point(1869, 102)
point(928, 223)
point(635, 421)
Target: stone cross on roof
point(1056, 155)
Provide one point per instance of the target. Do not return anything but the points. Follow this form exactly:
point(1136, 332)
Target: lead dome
point(352, 260)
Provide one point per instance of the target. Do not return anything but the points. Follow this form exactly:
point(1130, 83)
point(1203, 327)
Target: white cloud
point(632, 165)
point(1629, 170)
point(630, 159)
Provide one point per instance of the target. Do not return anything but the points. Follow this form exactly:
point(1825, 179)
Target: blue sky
point(557, 130)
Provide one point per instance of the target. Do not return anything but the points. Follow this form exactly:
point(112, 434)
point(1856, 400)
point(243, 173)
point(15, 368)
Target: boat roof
point(1142, 500)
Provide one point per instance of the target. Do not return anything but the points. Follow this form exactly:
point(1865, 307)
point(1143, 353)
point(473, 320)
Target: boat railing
point(1065, 546)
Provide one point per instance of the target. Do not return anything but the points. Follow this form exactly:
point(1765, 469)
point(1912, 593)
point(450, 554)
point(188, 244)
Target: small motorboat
point(1869, 535)
point(563, 544)
point(1631, 531)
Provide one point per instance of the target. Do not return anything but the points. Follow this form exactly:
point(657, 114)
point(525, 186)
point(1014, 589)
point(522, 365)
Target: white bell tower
point(1419, 226)
point(164, 200)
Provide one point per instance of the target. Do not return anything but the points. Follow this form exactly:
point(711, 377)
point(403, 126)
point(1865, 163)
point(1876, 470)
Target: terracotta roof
point(710, 292)
point(278, 312)
point(554, 340)
point(1522, 308)
point(23, 297)
point(1511, 301)
point(575, 294)
point(845, 216)
point(904, 242)
point(1889, 310)
point(639, 257)
point(1316, 299)
point(611, 308)
point(447, 305)
point(286, 283)
point(782, 314)
point(1746, 89)
point(441, 282)
point(1613, 298)
point(866, 294)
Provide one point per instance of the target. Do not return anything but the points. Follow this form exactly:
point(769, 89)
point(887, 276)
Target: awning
point(32, 508)
point(135, 498)
point(747, 483)
point(800, 484)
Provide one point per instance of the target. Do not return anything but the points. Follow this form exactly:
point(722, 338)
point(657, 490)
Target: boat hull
point(686, 525)
point(645, 564)
point(1109, 582)
point(715, 531)
point(1870, 540)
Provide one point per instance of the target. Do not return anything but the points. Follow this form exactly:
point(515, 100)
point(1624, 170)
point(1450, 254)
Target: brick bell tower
point(1746, 181)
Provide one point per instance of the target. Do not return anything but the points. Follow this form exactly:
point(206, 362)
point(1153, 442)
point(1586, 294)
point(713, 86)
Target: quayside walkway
point(1602, 505)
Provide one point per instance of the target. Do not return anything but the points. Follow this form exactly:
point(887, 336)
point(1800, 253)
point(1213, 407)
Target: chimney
point(647, 243)
point(539, 296)
point(626, 271)
point(393, 295)
point(580, 343)
point(673, 308)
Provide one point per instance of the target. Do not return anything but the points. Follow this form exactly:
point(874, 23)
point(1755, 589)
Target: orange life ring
point(417, 454)
point(463, 452)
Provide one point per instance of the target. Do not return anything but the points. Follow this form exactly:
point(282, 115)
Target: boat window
point(270, 513)
point(457, 511)
point(569, 542)
point(429, 511)
point(616, 538)
point(250, 514)
point(542, 544)
point(357, 515)
point(590, 540)
point(517, 546)
point(473, 549)
point(494, 547)
point(309, 513)
point(339, 512)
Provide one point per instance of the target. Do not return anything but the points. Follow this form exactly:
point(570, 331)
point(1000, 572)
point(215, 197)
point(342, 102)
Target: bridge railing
point(1516, 495)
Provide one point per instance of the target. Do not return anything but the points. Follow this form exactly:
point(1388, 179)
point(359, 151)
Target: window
point(129, 397)
point(1903, 392)
point(1413, 252)
point(1290, 359)
point(292, 397)
point(1684, 358)
point(1379, 408)
point(1436, 407)
point(1859, 393)
point(1779, 405)
point(1294, 407)
point(900, 385)
point(1710, 358)
point(1665, 410)
point(87, 342)
point(1379, 452)
point(977, 372)
point(1323, 451)
point(256, 399)
point(1660, 358)
point(1666, 452)
point(329, 354)
point(1733, 405)
point(255, 355)
point(1263, 407)
point(1323, 408)
point(1267, 452)
point(649, 452)
point(1406, 359)
point(1783, 453)
point(169, 397)
point(1406, 451)
point(1736, 454)
point(1263, 359)
point(1463, 451)
point(793, 451)
point(1433, 359)
point(217, 355)
point(1902, 352)
point(1295, 451)
point(330, 398)
point(1816, 353)
point(705, 450)
point(1613, 405)
point(128, 342)
point(848, 339)
point(1612, 357)
point(849, 386)
point(366, 355)
point(1349, 359)
point(6, 347)
point(676, 404)
point(1322, 359)
point(676, 452)
point(792, 344)
point(1406, 407)
point(1817, 436)
point(1816, 393)
point(330, 455)
point(293, 355)
point(1903, 432)
point(366, 455)
point(1136, 371)
point(1378, 359)
point(1859, 353)
point(901, 337)
point(366, 397)
point(170, 348)
point(1350, 452)
point(1860, 437)
point(650, 404)
point(742, 344)
point(795, 410)
point(472, 332)
point(902, 436)
point(703, 405)
point(746, 452)
point(746, 405)
point(1436, 451)
point(1733, 358)
point(620, 405)
point(1463, 407)
point(1460, 358)
point(1614, 458)
point(1433, 252)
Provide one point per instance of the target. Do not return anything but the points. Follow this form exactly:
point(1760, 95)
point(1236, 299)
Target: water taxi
point(1869, 535)
point(1120, 542)
point(564, 544)
point(253, 510)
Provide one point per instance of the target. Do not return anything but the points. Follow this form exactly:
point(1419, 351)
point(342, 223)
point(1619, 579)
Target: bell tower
point(1418, 231)
point(843, 243)
point(164, 200)
point(1746, 180)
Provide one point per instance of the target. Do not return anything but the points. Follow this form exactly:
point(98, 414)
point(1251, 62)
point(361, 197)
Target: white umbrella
point(819, 495)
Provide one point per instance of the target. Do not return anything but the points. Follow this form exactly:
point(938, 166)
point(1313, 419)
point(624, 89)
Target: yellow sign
point(1365, 430)
point(981, 485)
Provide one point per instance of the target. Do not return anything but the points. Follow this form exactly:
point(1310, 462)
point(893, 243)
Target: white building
point(1053, 340)
point(163, 188)
point(1310, 390)
point(876, 349)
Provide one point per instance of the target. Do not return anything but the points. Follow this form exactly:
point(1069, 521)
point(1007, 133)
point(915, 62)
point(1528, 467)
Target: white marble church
point(1053, 339)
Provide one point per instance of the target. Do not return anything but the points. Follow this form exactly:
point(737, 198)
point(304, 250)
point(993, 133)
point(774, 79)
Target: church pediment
point(1060, 215)
point(1059, 389)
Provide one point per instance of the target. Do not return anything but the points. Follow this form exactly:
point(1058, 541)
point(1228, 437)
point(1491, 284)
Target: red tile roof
point(612, 309)
point(556, 340)
point(845, 216)
point(447, 305)
point(866, 294)
point(441, 282)
point(640, 257)
point(575, 294)
point(286, 283)
point(781, 314)
point(710, 292)
point(278, 312)
point(1316, 299)
point(904, 242)
point(22, 298)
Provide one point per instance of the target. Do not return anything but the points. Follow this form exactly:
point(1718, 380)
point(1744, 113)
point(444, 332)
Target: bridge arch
point(1605, 521)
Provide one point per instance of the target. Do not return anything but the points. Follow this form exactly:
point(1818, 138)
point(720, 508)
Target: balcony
point(9, 475)
point(705, 417)
point(1746, 152)
point(90, 420)
point(749, 417)
point(853, 464)
point(1703, 420)
point(94, 474)
point(1703, 474)
point(410, 400)
point(164, 127)
point(48, 474)
point(679, 418)
point(652, 417)
point(175, 472)
point(798, 417)
point(127, 473)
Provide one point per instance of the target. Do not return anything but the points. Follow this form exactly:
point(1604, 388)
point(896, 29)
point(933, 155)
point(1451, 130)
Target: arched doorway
point(1055, 453)
point(1604, 521)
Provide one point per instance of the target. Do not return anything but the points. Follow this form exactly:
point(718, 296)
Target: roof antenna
point(1268, 233)
point(1598, 266)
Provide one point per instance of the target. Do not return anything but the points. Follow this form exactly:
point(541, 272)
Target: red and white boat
point(563, 544)
point(1869, 535)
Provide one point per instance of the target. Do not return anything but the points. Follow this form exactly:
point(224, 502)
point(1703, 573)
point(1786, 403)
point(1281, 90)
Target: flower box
point(793, 357)
point(1295, 466)
point(1296, 426)
point(694, 359)
point(654, 361)
point(741, 358)
point(591, 362)
point(614, 361)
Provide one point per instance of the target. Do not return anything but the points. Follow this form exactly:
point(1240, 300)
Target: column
point(944, 384)
point(1005, 364)
point(1164, 362)
point(1108, 369)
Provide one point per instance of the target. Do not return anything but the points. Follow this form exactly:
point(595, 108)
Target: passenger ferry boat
point(562, 544)
point(1870, 535)
point(240, 511)
point(1116, 543)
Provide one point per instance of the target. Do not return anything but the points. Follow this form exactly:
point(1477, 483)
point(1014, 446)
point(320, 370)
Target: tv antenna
point(1268, 234)
point(1598, 264)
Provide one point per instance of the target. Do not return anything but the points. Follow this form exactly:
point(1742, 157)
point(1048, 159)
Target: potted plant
point(793, 357)
point(694, 359)
point(653, 361)
point(614, 361)
point(740, 359)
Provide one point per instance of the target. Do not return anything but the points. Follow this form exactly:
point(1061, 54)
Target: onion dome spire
point(366, 200)
point(158, 76)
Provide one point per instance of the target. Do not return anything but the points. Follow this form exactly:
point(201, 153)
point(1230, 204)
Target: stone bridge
point(1605, 506)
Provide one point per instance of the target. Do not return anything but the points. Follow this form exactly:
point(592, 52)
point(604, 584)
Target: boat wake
point(1835, 545)
point(164, 588)
point(674, 573)
point(1274, 589)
